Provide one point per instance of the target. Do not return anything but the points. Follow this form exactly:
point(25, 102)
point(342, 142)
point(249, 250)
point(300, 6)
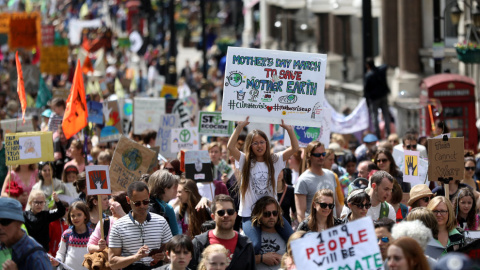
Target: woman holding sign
point(259, 172)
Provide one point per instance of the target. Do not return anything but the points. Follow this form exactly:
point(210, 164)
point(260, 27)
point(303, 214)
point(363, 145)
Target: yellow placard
point(169, 91)
point(28, 147)
point(54, 60)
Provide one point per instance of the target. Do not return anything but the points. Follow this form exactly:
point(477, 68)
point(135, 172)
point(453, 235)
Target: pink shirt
point(33, 179)
point(95, 236)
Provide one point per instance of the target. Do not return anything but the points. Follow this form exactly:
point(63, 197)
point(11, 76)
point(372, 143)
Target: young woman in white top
point(259, 172)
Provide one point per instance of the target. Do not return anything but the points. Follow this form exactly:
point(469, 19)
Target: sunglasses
point(5, 222)
point(411, 146)
point(325, 205)
point(382, 160)
point(426, 199)
point(317, 155)
point(384, 239)
point(230, 212)
point(470, 168)
point(366, 206)
point(270, 213)
point(145, 202)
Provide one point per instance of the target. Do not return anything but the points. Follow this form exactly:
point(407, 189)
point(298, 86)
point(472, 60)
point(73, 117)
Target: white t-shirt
point(259, 185)
point(206, 190)
point(373, 212)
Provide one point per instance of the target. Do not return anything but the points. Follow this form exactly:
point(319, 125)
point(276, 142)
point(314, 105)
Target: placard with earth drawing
point(270, 85)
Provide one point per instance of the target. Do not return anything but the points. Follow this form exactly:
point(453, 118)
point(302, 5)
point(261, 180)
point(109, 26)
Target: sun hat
point(337, 149)
point(369, 138)
point(417, 192)
point(11, 209)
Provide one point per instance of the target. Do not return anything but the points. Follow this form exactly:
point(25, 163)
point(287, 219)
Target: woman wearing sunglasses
point(359, 202)
point(321, 213)
point(384, 160)
point(420, 196)
point(470, 165)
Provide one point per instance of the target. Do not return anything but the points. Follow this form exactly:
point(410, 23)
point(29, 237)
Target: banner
point(185, 139)
point(167, 123)
point(17, 125)
point(25, 30)
point(270, 85)
point(445, 158)
point(411, 167)
point(130, 160)
point(98, 180)
point(95, 112)
point(186, 108)
point(146, 112)
point(28, 147)
point(352, 245)
point(54, 60)
point(112, 131)
point(198, 166)
point(211, 123)
point(356, 121)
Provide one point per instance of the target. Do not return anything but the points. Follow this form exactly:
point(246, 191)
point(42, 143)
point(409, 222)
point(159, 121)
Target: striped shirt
point(129, 235)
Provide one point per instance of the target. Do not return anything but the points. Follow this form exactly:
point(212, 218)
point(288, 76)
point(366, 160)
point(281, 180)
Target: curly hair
point(312, 221)
point(196, 218)
point(260, 206)
point(414, 229)
point(471, 220)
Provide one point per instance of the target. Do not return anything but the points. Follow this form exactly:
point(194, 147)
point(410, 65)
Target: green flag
point(44, 94)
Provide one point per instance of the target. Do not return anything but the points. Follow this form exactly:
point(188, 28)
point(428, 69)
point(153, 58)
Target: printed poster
point(95, 112)
point(146, 113)
point(167, 123)
point(54, 60)
point(445, 158)
point(185, 139)
point(411, 167)
point(305, 135)
point(198, 166)
point(28, 147)
point(211, 123)
point(350, 246)
point(130, 160)
point(17, 125)
point(270, 85)
point(98, 180)
point(112, 131)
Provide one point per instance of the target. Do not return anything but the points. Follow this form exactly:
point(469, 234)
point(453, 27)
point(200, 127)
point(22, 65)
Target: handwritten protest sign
point(198, 166)
point(445, 158)
point(410, 171)
point(54, 60)
point(185, 139)
point(17, 125)
point(25, 30)
point(146, 112)
point(272, 85)
point(352, 245)
point(98, 180)
point(186, 108)
point(211, 123)
point(28, 147)
point(95, 112)
point(130, 160)
point(112, 131)
point(167, 123)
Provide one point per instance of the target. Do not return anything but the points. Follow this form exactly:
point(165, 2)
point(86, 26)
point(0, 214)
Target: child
point(73, 245)
point(56, 229)
point(56, 117)
point(69, 176)
point(214, 257)
point(179, 251)
point(259, 173)
point(465, 210)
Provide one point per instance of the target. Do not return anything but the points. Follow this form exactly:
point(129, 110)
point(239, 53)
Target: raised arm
point(293, 141)
point(233, 139)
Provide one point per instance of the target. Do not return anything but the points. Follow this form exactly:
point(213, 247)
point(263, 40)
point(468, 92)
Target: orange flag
point(87, 65)
point(76, 113)
point(21, 87)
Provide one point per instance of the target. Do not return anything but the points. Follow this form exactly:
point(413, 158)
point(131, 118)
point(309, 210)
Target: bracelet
point(261, 258)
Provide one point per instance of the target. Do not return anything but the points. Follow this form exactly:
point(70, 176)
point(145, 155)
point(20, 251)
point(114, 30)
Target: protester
point(92, 203)
point(37, 219)
point(358, 201)
point(46, 176)
point(56, 117)
point(395, 199)
point(350, 165)
point(384, 160)
point(286, 195)
point(470, 166)
point(25, 176)
point(214, 257)
point(465, 210)
point(163, 186)
point(420, 195)
point(365, 167)
point(383, 231)
point(321, 213)
point(81, 187)
point(259, 173)
point(221, 170)
point(69, 175)
point(287, 260)
point(78, 156)
point(56, 229)
point(406, 254)
point(428, 218)
point(179, 251)
point(173, 167)
point(368, 149)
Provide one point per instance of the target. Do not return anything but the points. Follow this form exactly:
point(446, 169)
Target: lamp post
point(367, 32)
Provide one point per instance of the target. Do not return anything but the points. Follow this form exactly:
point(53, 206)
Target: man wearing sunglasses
point(25, 251)
point(409, 142)
point(135, 235)
point(239, 247)
point(383, 231)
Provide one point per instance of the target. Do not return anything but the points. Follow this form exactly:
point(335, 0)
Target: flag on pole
point(76, 113)
point(21, 87)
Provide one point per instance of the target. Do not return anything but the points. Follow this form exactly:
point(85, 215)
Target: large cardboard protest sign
point(445, 159)
point(167, 123)
point(211, 123)
point(185, 139)
point(54, 60)
point(146, 112)
point(98, 180)
point(352, 245)
point(112, 131)
point(28, 147)
point(24, 30)
point(198, 166)
point(270, 85)
point(17, 125)
point(130, 160)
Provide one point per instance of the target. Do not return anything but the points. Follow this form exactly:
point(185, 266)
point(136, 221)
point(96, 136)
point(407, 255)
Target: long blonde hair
point(452, 221)
point(212, 249)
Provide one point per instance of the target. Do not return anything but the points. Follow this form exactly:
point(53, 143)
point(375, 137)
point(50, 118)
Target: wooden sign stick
point(100, 216)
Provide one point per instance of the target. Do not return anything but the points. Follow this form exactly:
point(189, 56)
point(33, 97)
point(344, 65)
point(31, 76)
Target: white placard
point(185, 139)
point(146, 112)
point(31, 147)
point(167, 123)
point(98, 180)
point(349, 246)
point(270, 85)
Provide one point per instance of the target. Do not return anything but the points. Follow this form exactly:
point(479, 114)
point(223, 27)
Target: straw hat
point(418, 192)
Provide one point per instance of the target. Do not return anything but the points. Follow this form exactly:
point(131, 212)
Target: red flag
point(21, 87)
point(76, 113)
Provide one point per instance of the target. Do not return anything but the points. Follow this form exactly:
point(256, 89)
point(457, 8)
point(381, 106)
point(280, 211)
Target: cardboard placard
point(198, 166)
point(60, 92)
point(154, 160)
point(28, 147)
point(112, 131)
point(130, 160)
point(445, 159)
point(146, 112)
point(270, 85)
point(211, 123)
point(17, 125)
point(167, 123)
point(95, 112)
point(98, 180)
point(185, 139)
point(54, 60)
point(352, 245)
point(25, 30)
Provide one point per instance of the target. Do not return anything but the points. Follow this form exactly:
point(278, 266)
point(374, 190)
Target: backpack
point(384, 209)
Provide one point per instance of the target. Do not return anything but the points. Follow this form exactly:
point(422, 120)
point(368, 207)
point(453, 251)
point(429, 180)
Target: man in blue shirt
point(26, 252)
